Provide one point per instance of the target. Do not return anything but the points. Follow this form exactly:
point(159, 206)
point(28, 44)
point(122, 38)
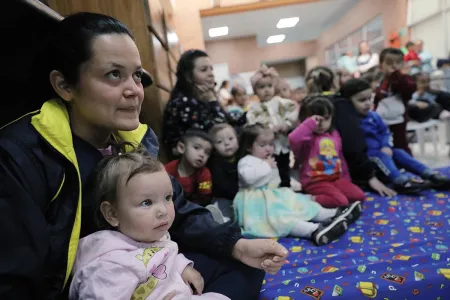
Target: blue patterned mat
point(398, 249)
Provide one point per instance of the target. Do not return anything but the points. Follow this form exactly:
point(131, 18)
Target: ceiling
point(315, 17)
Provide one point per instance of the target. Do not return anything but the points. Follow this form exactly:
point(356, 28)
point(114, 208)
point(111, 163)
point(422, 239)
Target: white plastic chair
point(420, 128)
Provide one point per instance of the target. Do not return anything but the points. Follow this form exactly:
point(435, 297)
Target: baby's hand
point(317, 119)
point(272, 163)
point(192, 277)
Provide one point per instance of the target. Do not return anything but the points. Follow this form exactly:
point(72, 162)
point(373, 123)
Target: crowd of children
point(242, 174)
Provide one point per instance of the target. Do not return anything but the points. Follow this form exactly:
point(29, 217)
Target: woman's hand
point(261, 253)
point(192, 276)
point(380, 188)
point(204, 93)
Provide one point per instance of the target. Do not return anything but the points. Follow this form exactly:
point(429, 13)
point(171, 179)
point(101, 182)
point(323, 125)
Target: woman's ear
point(60, 85)
point(181, 148)
point(109, 213)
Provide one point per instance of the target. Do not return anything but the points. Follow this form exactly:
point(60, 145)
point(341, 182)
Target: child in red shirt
point(190, 171)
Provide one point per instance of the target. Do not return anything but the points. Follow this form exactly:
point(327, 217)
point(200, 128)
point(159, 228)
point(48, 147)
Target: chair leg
point(434, 137)
point(421, 140)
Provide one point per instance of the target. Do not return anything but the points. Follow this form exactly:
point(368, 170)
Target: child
point(389, 159)
point(318, 145)
point(321, 80)
point(223, 166)
point(278, 113)
point(298, 95)
point(283, 89)
point(239, 102)
point(190, 170)
point(393, 94)
point(412, 59)
point(264, 210)
point(133, 258)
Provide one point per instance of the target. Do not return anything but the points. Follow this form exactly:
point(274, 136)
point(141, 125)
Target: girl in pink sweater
point(323, 171)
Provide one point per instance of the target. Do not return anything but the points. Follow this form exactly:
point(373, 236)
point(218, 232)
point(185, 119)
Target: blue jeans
point(400, 159)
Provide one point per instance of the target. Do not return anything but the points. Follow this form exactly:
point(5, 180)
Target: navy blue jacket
point(43, 212)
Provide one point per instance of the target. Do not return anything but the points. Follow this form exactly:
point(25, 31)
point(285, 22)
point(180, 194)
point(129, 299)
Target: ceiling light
point(288, 22)
point(273, 39)
point(218, 31)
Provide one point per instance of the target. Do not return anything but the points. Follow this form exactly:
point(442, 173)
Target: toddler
point(393, 94)
point(378, 139)
point(190, 170)
point(283, 89)
point(264, 210)
point(239, 102)
point(277, 113)
point(133, 258)
point(223, 166)
point(318, 146)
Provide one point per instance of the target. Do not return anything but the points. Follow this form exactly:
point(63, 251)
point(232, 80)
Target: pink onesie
point(109, 265)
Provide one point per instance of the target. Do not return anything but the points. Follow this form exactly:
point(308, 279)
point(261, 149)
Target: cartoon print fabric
point(398, 249)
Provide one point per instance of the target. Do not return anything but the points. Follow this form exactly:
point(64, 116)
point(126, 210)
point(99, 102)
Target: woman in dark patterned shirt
point(193, 102)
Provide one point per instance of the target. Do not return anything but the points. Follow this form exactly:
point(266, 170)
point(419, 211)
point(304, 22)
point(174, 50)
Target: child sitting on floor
point(378, 138)
point(318, 146)
point(264, 210)
point(134, 257)
point(191, 171)
point(277, 113)
point(223, 166)
point(393, 94)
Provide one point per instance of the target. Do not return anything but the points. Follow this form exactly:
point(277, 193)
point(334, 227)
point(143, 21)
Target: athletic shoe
point(329, 231)
point(351, 213)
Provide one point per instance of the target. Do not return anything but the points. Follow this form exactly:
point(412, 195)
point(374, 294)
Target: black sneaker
point(351, 213)
point(330, 231)
point(439, 182)
point(412, 186)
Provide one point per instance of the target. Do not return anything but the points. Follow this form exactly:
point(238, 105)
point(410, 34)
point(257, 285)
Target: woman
point(193, 102)
point(366, 59)
point(346, 121)
point(47, 156)
point(224, 93)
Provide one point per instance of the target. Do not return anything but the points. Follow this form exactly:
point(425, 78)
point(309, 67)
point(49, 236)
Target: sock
point(304, 229)
point(325, 214)
point(427, 174)
point(401, 180)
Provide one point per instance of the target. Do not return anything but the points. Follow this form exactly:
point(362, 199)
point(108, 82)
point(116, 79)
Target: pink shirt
point(110, 265)
point(320, 155)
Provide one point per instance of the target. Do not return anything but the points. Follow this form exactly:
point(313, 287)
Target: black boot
point(412, 186)
point(439, 182)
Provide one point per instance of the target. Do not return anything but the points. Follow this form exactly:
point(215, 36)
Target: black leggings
point(283, 160)
point(228, 277)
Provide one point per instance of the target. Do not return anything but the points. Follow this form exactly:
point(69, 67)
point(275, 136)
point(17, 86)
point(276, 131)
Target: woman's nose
point(132, 87)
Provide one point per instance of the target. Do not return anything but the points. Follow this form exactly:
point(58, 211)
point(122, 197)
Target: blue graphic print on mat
point(398, 249)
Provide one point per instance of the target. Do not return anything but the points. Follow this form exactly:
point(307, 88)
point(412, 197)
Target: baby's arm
point(252, 169)
point(103, 280)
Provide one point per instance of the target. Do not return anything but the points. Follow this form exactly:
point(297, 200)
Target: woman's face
point(109, 93)
point(364, 48)
point(203, 72)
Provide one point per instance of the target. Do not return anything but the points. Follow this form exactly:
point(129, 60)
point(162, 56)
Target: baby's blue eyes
point(146, 203)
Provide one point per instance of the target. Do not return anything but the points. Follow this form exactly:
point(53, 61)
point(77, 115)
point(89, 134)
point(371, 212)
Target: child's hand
point(421, 105)
point(192, 276)
point(317, 119)
point(272, 163)
point(170, 295)
point(387, 151)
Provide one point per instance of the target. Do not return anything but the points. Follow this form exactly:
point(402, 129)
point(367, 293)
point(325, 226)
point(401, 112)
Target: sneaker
point(330, 231)
point(412, 186)
point(351, 213)
point(216, 213)
point(439, 182)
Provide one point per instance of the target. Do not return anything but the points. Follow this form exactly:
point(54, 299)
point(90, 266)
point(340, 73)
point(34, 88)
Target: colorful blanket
point(398, 249)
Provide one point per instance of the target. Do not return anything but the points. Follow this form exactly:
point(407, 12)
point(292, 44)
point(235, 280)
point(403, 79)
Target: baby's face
point(265, 89)
point(225, 142)
point(144, 208)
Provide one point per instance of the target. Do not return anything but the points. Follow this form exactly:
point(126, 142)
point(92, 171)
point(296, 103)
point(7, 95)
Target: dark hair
point(249, 134)
point(316, 105)
point(196, 133)
point(185, 76)
point(409, 44)
point(320, 79)
point(71, 44)
point(224, 83)
point(114, 170)
point(391, 51)
point(353, 87)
